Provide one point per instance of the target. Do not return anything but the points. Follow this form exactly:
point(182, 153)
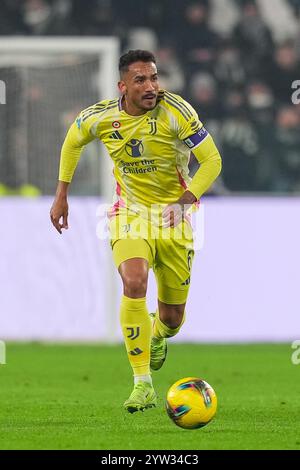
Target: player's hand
point(174, 214)
point(59, 210)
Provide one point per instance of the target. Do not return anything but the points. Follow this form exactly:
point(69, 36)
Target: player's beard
point(148, 104)
point(141, 103)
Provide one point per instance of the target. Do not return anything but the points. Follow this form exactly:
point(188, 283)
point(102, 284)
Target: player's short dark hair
point(134, 56)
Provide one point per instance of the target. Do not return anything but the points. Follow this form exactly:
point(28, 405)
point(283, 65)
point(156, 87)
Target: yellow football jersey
point(150, 152)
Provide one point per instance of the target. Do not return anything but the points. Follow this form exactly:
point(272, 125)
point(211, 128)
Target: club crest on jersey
point(134, 148)
point(116, 124)
point(153, 126)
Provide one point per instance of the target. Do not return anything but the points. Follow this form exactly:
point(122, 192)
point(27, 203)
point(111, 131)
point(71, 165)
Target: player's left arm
point(210, 161)
point(203, 147)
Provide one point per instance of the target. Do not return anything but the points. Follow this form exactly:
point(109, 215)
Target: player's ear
point(122, 87)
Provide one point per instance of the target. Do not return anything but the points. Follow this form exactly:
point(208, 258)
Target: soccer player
point(149, 134)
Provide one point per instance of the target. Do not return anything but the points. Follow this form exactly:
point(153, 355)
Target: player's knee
point(172, 316)
point(135, 286)
point(173, 322)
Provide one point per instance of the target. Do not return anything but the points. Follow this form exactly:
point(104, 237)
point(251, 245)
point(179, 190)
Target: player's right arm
point(79, 134)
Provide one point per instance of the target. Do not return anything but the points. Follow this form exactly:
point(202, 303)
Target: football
point(191, 403)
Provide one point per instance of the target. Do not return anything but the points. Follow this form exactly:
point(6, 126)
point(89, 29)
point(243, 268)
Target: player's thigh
point(129, 239)
point(129, 249)
point(172, 270)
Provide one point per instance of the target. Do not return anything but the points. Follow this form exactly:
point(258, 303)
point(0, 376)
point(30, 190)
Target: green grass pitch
point(70, 397)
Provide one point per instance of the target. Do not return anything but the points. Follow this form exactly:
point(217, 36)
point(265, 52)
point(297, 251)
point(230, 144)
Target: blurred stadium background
point(236, 61)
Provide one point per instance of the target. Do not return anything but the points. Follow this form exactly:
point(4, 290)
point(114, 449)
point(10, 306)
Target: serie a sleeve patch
point(196, 139)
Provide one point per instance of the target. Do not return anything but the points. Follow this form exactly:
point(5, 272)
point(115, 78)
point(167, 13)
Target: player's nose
point(149, 86)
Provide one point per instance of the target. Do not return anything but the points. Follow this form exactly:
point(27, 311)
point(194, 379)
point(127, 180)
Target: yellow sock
point(160, 330)
point(136, 328)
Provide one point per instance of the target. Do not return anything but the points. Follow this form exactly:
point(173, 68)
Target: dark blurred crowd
point(236, 61)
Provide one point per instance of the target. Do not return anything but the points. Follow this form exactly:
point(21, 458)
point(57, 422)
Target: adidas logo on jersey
point(116, 136)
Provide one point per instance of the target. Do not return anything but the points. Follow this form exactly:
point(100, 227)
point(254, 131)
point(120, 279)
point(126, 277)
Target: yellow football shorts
point(169, 252)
